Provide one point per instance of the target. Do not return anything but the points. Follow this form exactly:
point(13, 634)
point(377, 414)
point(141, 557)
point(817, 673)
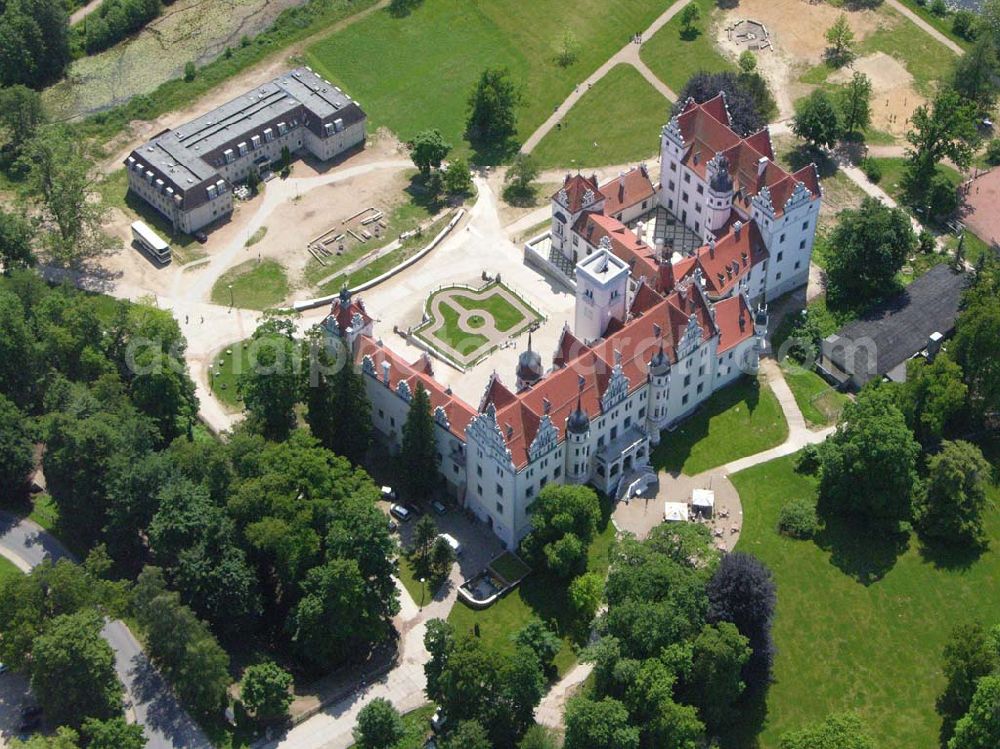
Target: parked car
point(415, 511)
point(400, 512)
point(439, 508)
point(452, 542)
point(438, 720)
point(388, 493)
point(393, 526)
point(3, 668)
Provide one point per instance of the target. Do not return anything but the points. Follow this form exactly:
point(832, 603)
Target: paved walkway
point(166, 723)
point(926, 27)
point(627, 55)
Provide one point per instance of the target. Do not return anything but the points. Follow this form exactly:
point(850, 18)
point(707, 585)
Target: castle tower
point(529, 367)
point(720, 194)
point(601, 286)
point(578, 442)
point(659, 382)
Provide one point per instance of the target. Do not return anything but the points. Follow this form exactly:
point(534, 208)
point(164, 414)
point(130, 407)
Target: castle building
point(655, 332)
point(187, 174)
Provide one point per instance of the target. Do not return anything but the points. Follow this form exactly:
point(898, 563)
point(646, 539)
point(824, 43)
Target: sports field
point(417, 71)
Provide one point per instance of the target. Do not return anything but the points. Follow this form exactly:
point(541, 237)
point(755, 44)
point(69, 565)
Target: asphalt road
point(166, 723)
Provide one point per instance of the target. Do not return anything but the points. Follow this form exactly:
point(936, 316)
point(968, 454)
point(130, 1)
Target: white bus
point(150, 241)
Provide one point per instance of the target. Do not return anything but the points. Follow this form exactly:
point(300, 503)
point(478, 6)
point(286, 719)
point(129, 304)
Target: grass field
point(739, 420)
point(8, 569)
point(585, 138)
point(505, 315)
point(941, 23)
point(454, 335)
point(820, 404)
point(538, 595)
point(675, 58)
point(846, 645)
point(416, 72)
point(223, 377)
point(256, 285)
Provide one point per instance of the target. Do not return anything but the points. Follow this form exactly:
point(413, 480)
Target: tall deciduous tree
point(868, 466)
point(379, 725)
point(418, 455)
point(115, 733)
point(872, 242)
point(17, 236)
point(73, 670)
point(469, 734)
point(974, 347)
point(564, 520)
point(72, 213)
point(267, 691)
point(840, 37)
point(599, 724)
point(34, 42)
point(944, 129)
point(271, 387)
point(742, 591)
point(970, 654)
point(493, 107)
point(817, 119)
point(933, 397)
point(953, 500)
point(975, 76)
point(747, 98)
point(21, 115)
point(16, 448)
point(980, 727)
point(856, 103)
point(339, 412)
point(719, 654)
point(428, 149)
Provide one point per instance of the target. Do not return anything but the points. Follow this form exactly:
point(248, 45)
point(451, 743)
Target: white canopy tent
point(703, 501)
point(674, 512)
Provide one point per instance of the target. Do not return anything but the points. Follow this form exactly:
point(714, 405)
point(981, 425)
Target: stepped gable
point(732, 257)
point(576, 186)
point(687, 300)
point(568, 348)
point(496, 393)
point(344, 309)
point(734, 319)
point(809, 176)
point(627, 189)
point(459, 412)
point(761, 142)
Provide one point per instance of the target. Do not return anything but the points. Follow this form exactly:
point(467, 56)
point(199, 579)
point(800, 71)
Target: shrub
point(925, 241)
point(808, 460)
point(993, 152)
point(938, 8)
point(872, 171)
point(964, 24)
point(189, 71)
point(798, 519)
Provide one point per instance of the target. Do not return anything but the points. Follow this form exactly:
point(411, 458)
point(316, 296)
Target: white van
point(452, 542)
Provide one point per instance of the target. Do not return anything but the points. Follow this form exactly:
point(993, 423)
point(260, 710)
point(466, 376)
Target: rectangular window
point(781, 239)
point(628, 422)
point(479, 471)
point(557, 472)
point(500, 508)
point(700, 190)
point(684, 400)
point(802, 244)
point(479, 489)
point(642, 413)
point(684, 197)
point(687, 177)
point(701, 386)
point(530, 491)
point(687, 380)
point(780, 255)
point(381, 415)
point(673, 166)
point(805, 225)
point(392, 421)
point(672, 185)
point(777, 277)
point(499, 490)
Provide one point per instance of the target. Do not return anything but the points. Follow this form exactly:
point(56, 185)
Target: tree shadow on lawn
point(751, 713)
point(864, 552)
point(804, 155)
point(493, 153)
point(946, 556)
point(420, 195)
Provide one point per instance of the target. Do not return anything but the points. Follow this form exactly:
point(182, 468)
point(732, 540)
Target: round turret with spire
point(529, 367)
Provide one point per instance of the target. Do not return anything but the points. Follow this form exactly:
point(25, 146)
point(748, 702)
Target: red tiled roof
point(627, 190)
point(576, 186)
point(344, 313)
point(734, 321)
point(459, 413)
point(497, 394)
point(641, 258)
point(732, 258)
point(569, 347)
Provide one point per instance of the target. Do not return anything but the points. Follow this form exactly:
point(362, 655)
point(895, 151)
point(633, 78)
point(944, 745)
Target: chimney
point(657, 330)
point(737, 227)
point(385, 372)
point(743, 322)
point(934, 344)
point(510, 431)
point(711, 247)
point(744, 257)
point(697, 157)
point(546, 405)
point(761, 165)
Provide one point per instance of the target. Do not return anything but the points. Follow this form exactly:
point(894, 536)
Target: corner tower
point(601, 290)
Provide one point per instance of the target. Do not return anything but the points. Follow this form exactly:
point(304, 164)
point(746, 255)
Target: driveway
point(167, 724)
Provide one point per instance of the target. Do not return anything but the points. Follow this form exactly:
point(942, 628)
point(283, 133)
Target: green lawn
point(739, 420)
point(846, 645)
point(45, 512)
point(417, 726)
point(408, 577)
point(674, 59)
point(820, 404)
point(941, 23)
point(505, 315)
point(585, 138)
point(455, 336)
point(255, 285)
point(7, 569)
point(225, 372)
point(538, 595)
point(416, 72)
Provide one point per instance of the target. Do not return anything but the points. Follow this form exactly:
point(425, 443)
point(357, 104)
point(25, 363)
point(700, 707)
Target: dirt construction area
point(797, 33)
point(893, 96)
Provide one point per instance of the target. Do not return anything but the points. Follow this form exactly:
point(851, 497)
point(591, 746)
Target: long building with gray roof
point(187, 174)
